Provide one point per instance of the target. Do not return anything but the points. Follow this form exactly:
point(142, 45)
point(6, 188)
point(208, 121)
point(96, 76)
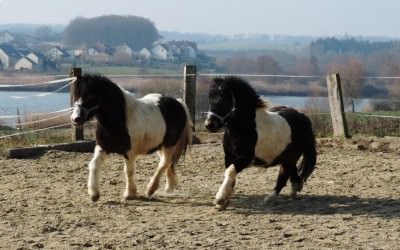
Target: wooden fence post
point(189, 90)
point(336, 106)
point(77, 132)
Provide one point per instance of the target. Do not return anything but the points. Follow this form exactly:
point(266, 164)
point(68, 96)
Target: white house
point(9, 56)
point(159, 53)
point(124, 49)
point(92, 52)
point(36, 57)
point(56, 53)
point(25, 64)
point(144, 54)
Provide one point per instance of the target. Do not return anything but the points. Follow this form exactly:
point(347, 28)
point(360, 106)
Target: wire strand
point(34, 131)
point(371, 115)
point(38, 121)
point(35, 114)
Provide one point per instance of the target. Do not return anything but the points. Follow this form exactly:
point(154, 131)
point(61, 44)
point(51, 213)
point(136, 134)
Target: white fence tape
point(35, 84)
point(42, 94)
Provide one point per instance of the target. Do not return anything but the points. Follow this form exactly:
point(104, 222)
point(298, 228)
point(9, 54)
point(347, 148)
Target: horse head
point(222, 104)
point(87, 100)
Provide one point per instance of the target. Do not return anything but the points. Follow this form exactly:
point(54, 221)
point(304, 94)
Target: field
point(351, 201)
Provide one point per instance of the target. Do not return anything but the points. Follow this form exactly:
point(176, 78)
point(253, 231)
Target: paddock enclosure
point(351, 201)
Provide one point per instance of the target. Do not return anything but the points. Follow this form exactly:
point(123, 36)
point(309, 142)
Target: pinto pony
point(257, 136)
point(129, 126)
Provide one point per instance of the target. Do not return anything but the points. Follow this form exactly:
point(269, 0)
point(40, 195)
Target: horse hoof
point(169, 190)
point(149, 194)
point(297, 186)
point(95, 197)
point(129, 197)
point(268, 201)
point(125, 199)
point(221, 204)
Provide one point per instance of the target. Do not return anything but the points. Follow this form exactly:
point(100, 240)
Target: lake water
point(32, 102)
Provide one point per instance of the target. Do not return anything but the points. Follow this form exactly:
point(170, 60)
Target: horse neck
point(243, 107)
point(112, 113)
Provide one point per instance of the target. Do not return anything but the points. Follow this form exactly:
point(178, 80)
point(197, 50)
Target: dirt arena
point(351, 201)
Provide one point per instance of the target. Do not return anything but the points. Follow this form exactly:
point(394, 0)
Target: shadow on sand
point(320, 205)
point(303, 205)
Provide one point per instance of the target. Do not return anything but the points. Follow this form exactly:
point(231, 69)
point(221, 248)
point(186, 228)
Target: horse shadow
point(387, 208)
point(318, 204)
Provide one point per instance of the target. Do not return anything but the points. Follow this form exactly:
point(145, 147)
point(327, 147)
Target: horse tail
point(185, 139)
point(309, 161)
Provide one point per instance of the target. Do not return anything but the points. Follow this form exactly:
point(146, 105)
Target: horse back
point(155, 121)
point(273, 135)
point(300, 124)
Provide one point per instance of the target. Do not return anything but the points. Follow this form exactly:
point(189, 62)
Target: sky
point(229, 17)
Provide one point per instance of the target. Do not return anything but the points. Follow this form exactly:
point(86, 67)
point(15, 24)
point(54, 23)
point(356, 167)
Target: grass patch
point(361, 123)
point(51, 136)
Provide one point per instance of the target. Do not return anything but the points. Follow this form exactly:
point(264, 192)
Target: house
point(34, 61)
point(100, 58)
point(25, 64)
point(9, 56)
point(56, 53)
point(6, 37)
point(144, 54)
point(124, 49)
point(189, 52)
point(92, 52)
point(37, 57)
point(101, 47)
point(159, 52)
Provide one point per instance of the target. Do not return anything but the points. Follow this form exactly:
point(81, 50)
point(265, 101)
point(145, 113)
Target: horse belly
point(274, 134)
point(148, 134)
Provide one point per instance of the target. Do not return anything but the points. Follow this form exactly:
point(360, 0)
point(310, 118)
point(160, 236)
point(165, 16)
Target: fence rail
point(188, 93)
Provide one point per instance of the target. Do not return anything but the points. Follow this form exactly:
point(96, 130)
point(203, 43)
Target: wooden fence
point(189, 96)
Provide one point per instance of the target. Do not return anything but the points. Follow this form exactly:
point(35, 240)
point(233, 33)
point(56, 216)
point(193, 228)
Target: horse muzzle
point(80, 114)
point(77, 119)
point(212, 125)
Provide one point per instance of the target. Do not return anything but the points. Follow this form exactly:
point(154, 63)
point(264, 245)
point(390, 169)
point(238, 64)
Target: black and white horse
point(129, 126)
point(257, 136)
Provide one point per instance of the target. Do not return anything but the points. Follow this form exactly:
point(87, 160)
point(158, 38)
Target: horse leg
point(129, 170)
point(283, 177)
point(297, 183)
point(94, 172)
point(171, 180)
point(155, 180)
point(225, 191)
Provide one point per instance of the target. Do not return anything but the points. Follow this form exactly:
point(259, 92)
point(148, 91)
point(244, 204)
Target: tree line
point(136, 32)
point(349, 45)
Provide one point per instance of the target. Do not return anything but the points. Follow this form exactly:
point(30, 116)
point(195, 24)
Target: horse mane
point(111, 133)
point(243, 92)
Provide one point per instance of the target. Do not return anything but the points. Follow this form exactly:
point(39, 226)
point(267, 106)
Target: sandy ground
point(351, 201)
